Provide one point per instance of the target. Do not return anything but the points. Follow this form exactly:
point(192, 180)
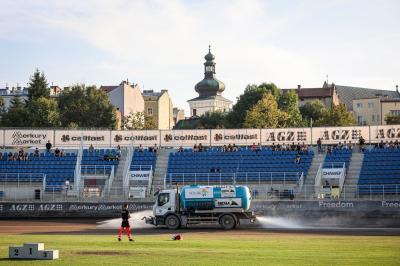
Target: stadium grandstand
point(272, 171)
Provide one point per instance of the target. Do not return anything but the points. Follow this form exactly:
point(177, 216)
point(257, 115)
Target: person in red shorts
point(125, 223)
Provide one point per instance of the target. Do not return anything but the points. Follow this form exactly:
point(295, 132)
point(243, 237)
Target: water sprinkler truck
point(200, 205)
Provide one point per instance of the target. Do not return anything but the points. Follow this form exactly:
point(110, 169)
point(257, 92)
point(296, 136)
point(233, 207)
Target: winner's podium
point(34, 251)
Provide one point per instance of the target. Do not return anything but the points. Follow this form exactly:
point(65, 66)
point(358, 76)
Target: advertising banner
point(228, 192)
point(334, 135)
point(285, 136)
point(199, 192)
point(220, 137)
point(385, 133)
point(74, 138)
point(137, 192)
point(228, 203)
point(28, 137)
point(140, 175)
point(135, 138)
point(185, 138)
point(332, 173)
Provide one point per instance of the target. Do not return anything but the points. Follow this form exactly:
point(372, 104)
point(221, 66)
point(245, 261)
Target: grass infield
point(212, 249)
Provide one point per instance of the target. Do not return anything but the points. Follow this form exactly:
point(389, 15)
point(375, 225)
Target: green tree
point(265, 114)
point(139, 121)
point(336, 115)
point(43, 112)
point(312, 111)
point(86, 107)
point(16, 115)
point(212, 120)
point(38, 86)
point(392, 119)
point(252, 94)
point(289, 103)
point(3, 110)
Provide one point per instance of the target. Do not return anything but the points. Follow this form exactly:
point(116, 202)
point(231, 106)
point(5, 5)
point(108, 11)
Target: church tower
point(209, 90)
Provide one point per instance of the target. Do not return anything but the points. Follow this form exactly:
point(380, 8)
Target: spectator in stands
point(381, 144)
point(91, 148)
point(36, 152)
point(180, 149)
point(229, 147)
point(201, 148)
point(273, 147)
point(396, 143)
point(297, 160)
point(25, 156)
point(57, 152)
point(155, 148)
point(21, 154)
point(361, 142)
point(339, 146)
point(293, 147)
point(387, 146)
point(329, 150)
point(298, 147)
point(10, 156)
point(106, 157)
point(253, 147)
point(224, 148)
point(1, 156)
point(234, 148)
point(140, 148)
point(195, 148)
point(118, 152)
point(304, 148)
point(62, 153)
point(48, 146)
point(284, 147)
point(67, 186)
point(319, 144)
point(350, 146)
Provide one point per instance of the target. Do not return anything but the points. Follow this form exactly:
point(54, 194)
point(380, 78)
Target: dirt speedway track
point(91, 227)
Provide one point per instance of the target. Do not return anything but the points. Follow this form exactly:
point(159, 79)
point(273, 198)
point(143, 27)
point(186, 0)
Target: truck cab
point(166, 202)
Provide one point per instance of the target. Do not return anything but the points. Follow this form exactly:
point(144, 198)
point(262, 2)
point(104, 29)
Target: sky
point(161, 44)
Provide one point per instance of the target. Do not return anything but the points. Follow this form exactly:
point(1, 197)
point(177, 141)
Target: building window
point(370, 105)
point(395, 112)
point(359, 105)
point(194, 112)
point(360, 119)
point(150, 111)
point(373, 118)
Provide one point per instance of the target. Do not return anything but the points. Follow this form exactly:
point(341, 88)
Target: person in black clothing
point(48, 146)
point(125, 223)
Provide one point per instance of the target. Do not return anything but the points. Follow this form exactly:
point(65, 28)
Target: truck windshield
point(163, 198)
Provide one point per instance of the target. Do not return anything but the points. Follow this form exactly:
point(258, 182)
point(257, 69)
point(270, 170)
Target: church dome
point(210, 85)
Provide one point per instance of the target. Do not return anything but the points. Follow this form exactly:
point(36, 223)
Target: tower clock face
point(209, 68)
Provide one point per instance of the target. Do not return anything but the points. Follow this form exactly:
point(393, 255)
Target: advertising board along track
point(187, 138)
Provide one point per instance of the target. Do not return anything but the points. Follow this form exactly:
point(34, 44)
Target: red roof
point(108, 89)
point(313, 92)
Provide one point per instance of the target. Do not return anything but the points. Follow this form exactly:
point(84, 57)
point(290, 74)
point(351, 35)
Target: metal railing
point(141, 167)
point(102, 170)
point(22, 178)
point(294, 178)
point(349, 192)
point(258, 192)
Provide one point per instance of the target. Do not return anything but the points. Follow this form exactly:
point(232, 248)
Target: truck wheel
point(227, 222)
point(172, 222)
